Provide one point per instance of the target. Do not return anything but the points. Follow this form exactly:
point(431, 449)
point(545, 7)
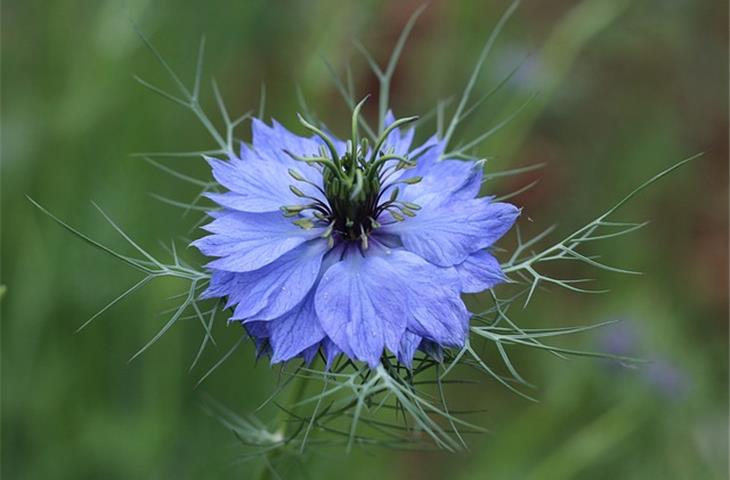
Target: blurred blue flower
point(349, 247)
point(662, 375)
point(619, 338)
point(668, 379)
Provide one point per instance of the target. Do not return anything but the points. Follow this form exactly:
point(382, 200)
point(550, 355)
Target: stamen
point(292, 210)
point(296, 175)
point(407, 212)
point(297, 192)
point(304, 223)
point(410, 180)
point(328, 232)
point(395, 214)
point(353, 184)
point(363, 238)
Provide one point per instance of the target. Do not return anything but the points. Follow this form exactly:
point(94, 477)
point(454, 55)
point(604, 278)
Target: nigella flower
point(350, 247)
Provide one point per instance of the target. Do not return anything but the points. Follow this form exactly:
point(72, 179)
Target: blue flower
point(350, 248)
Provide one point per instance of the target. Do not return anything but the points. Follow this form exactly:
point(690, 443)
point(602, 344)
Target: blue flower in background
point(666, 377)
point(351, 247)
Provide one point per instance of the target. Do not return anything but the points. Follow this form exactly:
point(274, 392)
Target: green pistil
point(353, 185)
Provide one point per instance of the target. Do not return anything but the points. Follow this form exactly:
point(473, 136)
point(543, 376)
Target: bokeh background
point(625, 88)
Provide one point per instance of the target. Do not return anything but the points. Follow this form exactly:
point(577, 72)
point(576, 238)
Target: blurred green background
point(625, 89)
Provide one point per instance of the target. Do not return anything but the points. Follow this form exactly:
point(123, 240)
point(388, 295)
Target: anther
point(296, 191)
point(293, 210)
point(396, 215)
point(304, 223)
point(411, 180)
point(296, 175)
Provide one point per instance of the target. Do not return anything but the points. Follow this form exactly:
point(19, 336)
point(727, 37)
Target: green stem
point(298, 387)
point(383, 103)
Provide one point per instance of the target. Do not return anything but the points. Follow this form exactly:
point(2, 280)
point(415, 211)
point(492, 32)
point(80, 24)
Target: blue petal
point(331, 351)
point(296, 142)
point(432, 349)
point(432, 293)
point(259, 181)
point(219, 285)
point(274, 289)
point(309, 354)
point(400, 143)
point(444, 180)
point(295, 331)
point(428, 153)
point(480, 271)
point(409, 342)
point(248, 241)
point(361, 305)
point(257, 185)
point(447, 234)
point(298, 331)
point(259, 333)
point(365, 302)
point(270, 143)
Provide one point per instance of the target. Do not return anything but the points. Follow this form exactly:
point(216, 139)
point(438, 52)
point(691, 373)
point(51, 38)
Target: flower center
point(358, 186)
